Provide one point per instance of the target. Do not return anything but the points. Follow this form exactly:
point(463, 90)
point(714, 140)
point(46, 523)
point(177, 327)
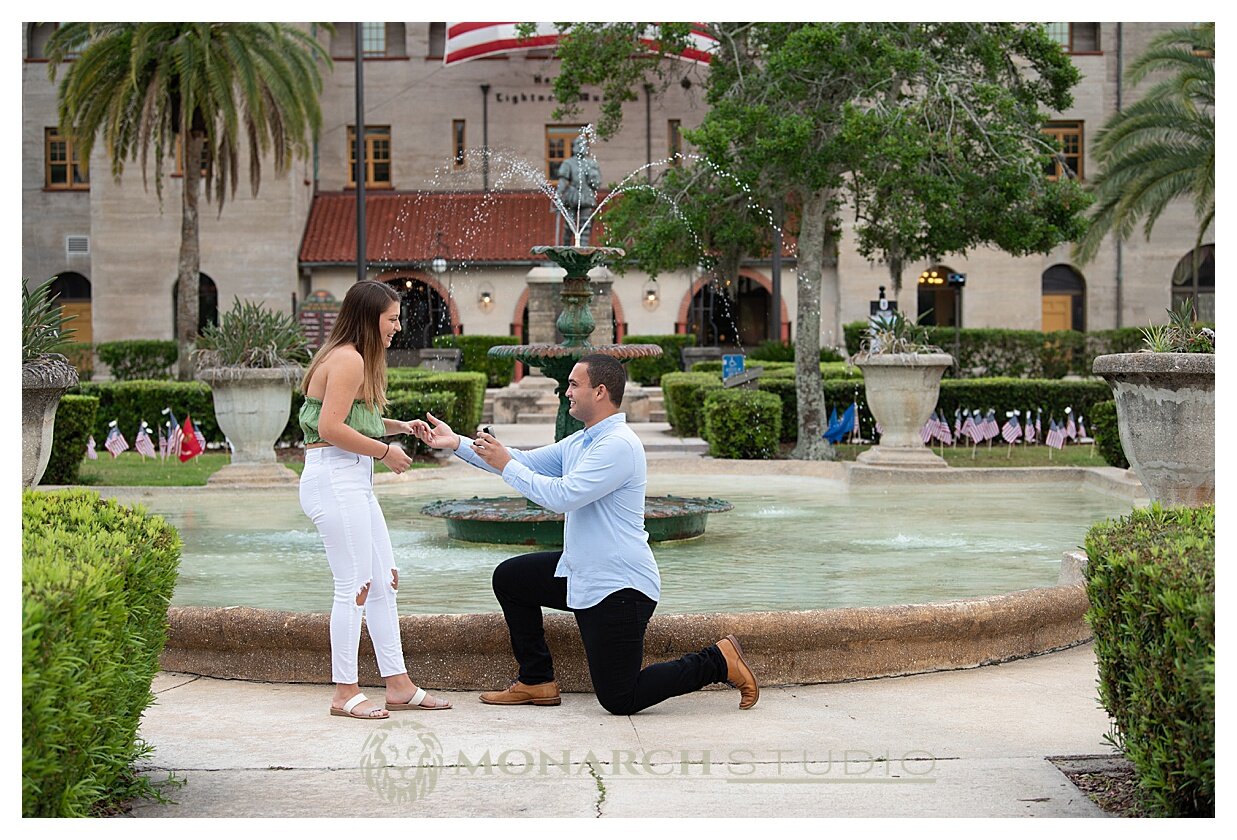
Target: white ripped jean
point(337, 493)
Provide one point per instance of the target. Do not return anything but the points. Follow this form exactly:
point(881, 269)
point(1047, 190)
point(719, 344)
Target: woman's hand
point(438, 436)
point(396, 460)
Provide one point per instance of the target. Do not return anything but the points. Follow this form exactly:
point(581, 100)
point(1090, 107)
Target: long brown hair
point(357, 325)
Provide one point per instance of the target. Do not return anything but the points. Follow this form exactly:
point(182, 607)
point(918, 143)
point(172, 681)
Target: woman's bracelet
point(384, 454)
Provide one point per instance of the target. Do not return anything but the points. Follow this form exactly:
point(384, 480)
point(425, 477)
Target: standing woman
point(345, 393)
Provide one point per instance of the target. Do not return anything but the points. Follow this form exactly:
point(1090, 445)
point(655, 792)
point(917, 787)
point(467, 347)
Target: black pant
point(612, 632)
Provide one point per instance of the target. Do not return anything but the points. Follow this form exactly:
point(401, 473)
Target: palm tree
point(211, 86)
point(1162, 147)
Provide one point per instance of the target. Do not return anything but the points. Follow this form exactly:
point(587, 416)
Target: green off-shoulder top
point(367, 421)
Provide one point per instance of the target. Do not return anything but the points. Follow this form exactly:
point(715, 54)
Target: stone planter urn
point(252, 407)
point(43, 382)
point(902, 390)
point(1166, 415)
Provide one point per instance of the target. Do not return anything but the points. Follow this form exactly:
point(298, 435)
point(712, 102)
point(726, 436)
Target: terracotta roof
point(418, 226)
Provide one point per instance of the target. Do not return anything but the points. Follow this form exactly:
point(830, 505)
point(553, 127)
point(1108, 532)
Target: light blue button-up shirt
point(596, 478)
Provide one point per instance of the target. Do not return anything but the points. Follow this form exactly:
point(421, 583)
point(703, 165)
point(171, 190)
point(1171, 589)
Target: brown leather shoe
point(738, 674)
point(544, 694)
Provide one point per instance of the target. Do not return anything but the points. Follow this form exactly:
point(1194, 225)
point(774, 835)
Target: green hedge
point(683, 394)
point(81, 355)
point(75, 422)
point(96, 582)
point(742, 423)
point(828, 370)
point(1151, 584)
point(413, 405)
point(129, 403)
point(650, 371)
point(467, 386)
point(781, 351)
point(1021, 353)
point(1102, 424)
point(476, 356)
point(139, 358)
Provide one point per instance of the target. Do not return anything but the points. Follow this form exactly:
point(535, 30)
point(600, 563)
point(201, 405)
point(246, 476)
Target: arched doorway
point(423, 314)
point(72, 292)
point(937, 302)
point(1064, 299)
point(208, 302)
point(1184, 287)
point(729, 313)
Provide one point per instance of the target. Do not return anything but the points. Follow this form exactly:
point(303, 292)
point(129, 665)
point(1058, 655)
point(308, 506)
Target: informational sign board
point(317, 316)
point(733, 363)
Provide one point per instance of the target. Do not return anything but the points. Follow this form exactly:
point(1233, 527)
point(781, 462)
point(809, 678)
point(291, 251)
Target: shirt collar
point(598, 429)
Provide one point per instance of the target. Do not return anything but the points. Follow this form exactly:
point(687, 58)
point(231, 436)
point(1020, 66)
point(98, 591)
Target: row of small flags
point(184, 441)
point(981, 427)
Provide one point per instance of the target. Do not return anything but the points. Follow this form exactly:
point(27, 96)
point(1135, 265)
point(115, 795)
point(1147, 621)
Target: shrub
point(81, 355)
point(467, 386)
point(1103, 427)
point(96, 581)
point(138, 358)
point(649, 371)
point(742, 423)
point(1151, 584)
point(413, 405)
point(828, 370)
point(476, 356)
point(684, 398)
point(129, 403)
point(75, 421)
point(1004, 394)
point(251, 335)
point(782, 351)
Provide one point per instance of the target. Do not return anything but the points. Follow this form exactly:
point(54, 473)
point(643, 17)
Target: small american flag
point(1038, 415)
point(1071, 431)
point(1028, 433)
point(957, 422)
point(970, 429)
point(925, 434)
point(163, 444)
point(142, 442)
point(1012, 430)
point(90, 450)
point(175, 433)
point(115, 442)
point(942, 432)
point(991, 429)
point(1082, 429)
point(1056, 435)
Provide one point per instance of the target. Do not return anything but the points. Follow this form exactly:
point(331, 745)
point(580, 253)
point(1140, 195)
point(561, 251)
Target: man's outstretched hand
point(437, 436)
point(491, 451)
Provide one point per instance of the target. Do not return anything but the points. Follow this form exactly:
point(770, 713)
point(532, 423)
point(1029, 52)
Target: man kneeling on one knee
point(605, 575)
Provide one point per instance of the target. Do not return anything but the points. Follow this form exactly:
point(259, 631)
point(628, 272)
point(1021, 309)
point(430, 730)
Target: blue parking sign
point(731, 364)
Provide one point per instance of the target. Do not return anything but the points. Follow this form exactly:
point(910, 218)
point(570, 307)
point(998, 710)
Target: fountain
point(515, 521)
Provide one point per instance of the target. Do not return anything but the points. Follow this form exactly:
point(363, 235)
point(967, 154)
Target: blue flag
point(840, 428)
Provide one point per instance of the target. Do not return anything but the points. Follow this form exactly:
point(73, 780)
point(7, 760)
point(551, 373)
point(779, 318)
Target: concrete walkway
point(954, 744)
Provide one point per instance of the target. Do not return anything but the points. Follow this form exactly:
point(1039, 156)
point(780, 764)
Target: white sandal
point(358, 699)
point(415, 703)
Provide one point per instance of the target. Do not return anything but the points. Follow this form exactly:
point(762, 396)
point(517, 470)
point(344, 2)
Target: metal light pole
point(359, 138)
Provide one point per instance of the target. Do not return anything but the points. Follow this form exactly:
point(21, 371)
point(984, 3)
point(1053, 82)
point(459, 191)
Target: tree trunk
point(188, 265)
point(814, 253)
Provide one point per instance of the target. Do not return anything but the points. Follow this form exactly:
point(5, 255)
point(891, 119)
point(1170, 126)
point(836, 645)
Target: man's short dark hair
point(608, 371)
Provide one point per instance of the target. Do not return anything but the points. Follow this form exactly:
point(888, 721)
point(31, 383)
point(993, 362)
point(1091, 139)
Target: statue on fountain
point(579, 177)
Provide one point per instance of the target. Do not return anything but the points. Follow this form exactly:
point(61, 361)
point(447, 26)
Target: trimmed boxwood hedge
point(742, 423)
point(130, 402)
point(1102, 423)
point(683, 396)
point(138, 358)
point(650, 371)
point(75, 421)
point(97, 578)
point(413, 405)
point(476, 356)
point(467, 386)
point(1151, 584)
point(1021, 353)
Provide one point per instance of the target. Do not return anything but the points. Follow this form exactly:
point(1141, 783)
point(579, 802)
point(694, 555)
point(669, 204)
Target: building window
point(1076, 37)
point(1067, 162)
point(437, 40)
point(1063, 300)
point(674, 144)
point(377, 156)
point(373, 39)
point(457, 143)
point(1184, 287)
point(63, 166)
point(558, 139)
point(378, 40)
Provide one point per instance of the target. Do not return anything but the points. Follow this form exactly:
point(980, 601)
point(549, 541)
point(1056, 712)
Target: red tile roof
point(418, 226)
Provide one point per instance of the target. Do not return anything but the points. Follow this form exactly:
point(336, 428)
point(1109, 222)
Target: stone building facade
point(431, 195)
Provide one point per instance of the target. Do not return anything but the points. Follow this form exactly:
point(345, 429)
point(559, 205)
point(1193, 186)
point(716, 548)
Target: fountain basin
point(514, 521)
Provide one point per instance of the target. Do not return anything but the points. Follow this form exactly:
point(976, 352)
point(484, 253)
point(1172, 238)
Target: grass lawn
point(1074, 455)
point(132, 470)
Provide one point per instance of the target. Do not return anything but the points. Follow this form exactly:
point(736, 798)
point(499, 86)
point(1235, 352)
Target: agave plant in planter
point(1166, 409)
point(45, 376)
point(902, 381)
point(252, 359)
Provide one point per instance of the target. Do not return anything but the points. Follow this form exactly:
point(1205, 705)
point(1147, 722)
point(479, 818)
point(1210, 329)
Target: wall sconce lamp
point(650, 295)
point(485, 298)
point(439, 266)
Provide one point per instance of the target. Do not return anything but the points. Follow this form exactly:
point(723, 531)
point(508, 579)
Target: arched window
point(423, 314)
point(1063, 299)
point(36, 39)
point(72, 292)
point(938, 298)
point(208, 302)
point(1184, 287)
